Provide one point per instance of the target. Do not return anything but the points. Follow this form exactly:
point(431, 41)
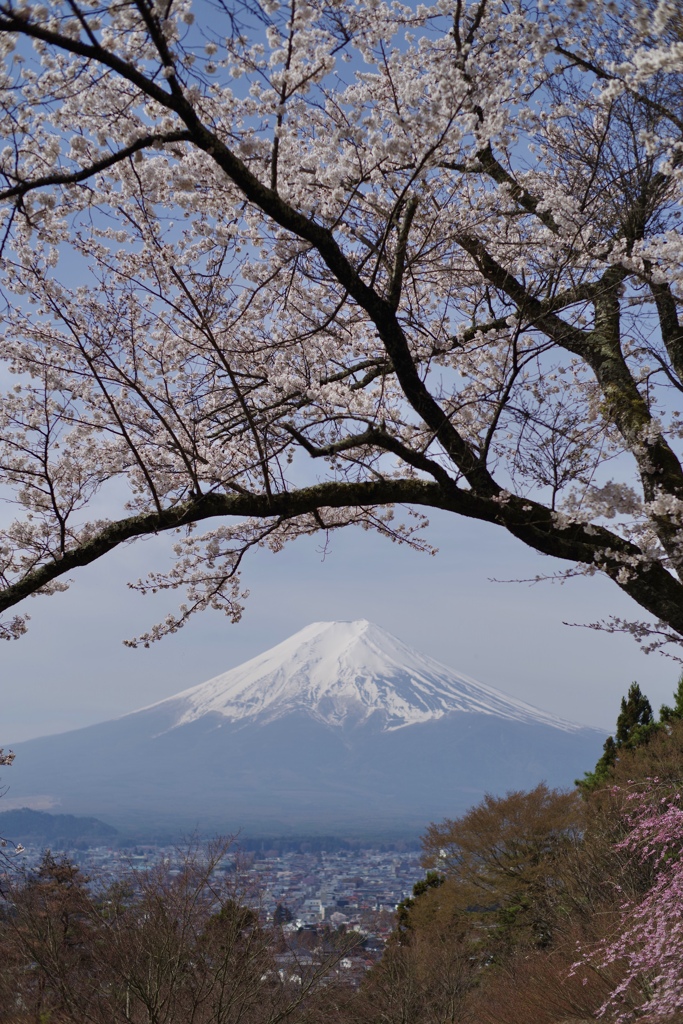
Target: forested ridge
point(544, 906)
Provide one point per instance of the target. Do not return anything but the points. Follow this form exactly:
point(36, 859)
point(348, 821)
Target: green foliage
point(232, 919)
point(667, 714)
point(432, 880)
point(635, 722)
point(635, 726)
point(510, 915)
point(282, 915)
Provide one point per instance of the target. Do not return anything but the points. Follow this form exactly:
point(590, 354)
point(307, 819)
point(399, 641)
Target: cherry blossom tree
point(649, 943)
point(280, 268)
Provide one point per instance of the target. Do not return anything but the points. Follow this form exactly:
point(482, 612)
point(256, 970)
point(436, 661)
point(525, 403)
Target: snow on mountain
point(342, 673)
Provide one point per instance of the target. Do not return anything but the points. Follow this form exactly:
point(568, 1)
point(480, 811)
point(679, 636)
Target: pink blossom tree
point(649, 943)
point(305, 262)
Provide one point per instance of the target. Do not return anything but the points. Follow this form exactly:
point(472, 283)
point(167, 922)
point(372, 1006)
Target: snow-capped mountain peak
point(343, 673)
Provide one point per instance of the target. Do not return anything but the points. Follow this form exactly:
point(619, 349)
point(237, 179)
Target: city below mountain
point(341, 727)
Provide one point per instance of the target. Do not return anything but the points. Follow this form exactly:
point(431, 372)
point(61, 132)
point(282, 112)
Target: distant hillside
point(54, 830)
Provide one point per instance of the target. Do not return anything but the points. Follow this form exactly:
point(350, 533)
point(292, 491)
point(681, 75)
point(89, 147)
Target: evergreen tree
point(282, 915)
point(432, 880)
point(636, 722)
point(592, 780)
point(635, 725)
point(667, 714)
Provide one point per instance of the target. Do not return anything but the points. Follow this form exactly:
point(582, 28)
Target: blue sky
point(72, 668)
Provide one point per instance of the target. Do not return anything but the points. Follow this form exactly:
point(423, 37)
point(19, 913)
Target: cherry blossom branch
point(317, 283)
point(653, 587)
point(151, 140)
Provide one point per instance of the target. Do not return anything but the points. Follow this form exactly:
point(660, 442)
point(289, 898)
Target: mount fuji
point(341, 727)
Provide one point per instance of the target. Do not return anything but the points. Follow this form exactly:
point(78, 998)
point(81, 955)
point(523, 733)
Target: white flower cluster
point(401, 253)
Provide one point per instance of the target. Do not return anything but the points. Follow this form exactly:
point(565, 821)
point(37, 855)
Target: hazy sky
point(72, 668)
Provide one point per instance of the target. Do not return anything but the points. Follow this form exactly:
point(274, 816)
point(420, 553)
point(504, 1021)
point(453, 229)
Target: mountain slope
point(341, 671)
point(341, 727)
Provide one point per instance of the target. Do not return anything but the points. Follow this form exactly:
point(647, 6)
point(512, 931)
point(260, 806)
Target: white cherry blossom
point(288, 267)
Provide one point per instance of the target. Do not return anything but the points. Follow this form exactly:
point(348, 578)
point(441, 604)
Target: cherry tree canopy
point(284, 267)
